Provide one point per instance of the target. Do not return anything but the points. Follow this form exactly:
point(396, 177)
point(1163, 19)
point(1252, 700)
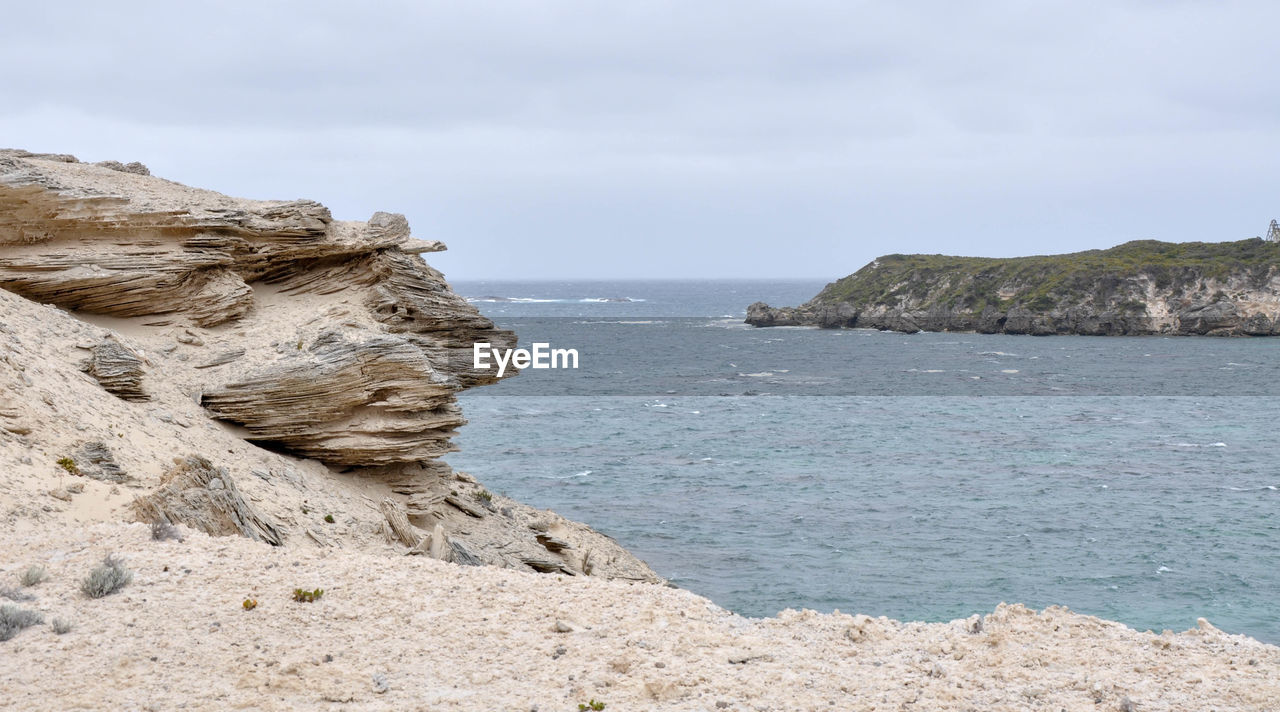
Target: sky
point(655, 139)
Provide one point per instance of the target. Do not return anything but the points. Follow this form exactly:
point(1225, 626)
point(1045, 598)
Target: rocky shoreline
point(1139, 288)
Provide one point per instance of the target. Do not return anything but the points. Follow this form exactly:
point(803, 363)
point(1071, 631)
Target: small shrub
point(108, 578)
point(34, 574)
point(61, 626)
point(14, 619)
point(161, 531)
point(305, 596)
point(592, 705)
point(69, 465)
point(250, 604)
point(328, 518)
point(14, 594)
point(484, 496)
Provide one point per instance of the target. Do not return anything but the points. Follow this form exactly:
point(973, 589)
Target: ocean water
point(921, 476)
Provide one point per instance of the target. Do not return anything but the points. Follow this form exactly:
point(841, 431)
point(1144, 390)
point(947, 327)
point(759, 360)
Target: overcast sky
point(682, 139)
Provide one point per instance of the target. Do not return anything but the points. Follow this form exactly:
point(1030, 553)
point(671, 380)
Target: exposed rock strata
point(314, 362)
point(204, 497)
point(1146, 287)
point(117, 369)
point(97, 240)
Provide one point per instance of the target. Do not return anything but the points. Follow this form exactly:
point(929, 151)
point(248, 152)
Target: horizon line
point(636, 279)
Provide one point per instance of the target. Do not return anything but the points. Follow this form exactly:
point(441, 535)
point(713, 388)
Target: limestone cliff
point(1141, 287)
point(312, 362)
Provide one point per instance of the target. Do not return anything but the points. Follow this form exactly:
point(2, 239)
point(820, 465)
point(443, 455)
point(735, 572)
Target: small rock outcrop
point(204, 497)
point(117, 369)
point(94, 459)
point(1142, 287)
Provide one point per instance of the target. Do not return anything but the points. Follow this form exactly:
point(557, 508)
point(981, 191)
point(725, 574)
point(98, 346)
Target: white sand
point(481, 638)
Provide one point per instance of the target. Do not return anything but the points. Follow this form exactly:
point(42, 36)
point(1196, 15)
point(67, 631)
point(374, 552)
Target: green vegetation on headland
point(1145, 286)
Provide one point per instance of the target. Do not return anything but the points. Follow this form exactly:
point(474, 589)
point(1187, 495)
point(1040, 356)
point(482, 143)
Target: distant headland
point(1137, 288)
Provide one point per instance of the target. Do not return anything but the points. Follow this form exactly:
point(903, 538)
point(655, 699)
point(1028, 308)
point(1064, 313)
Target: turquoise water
point(922, 477)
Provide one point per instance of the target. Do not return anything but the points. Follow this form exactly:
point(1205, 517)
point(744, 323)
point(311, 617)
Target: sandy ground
point(410, 633)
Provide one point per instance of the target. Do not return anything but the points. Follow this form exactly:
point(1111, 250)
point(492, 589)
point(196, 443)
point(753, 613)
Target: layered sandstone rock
point(314, 361)
point(375, 389)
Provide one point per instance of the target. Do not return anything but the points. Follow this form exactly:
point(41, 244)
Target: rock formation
point(1143, 287)
point(314, 362)
point(203, 497)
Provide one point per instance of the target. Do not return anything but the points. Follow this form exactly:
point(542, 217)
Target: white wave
point(762, 374)
point(584, 473)
point(1008, 370)
point(527, 300)
point(538, 300)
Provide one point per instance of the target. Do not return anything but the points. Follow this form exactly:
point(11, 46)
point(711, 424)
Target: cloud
point(681, 139)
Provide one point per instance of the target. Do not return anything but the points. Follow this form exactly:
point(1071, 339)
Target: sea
point(924, 476)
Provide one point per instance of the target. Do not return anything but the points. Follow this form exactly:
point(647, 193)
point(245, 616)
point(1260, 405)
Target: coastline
point(306, 384)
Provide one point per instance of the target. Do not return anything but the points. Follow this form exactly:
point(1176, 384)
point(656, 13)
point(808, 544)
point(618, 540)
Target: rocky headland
point(244, 366)
point(1138, 288)
point(222, 425)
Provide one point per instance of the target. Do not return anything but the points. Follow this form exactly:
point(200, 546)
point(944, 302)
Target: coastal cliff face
point(161, 340)
point(1138, 288)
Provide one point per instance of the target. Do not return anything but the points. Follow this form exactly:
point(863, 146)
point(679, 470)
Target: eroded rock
point(110, 239)
point(95, 460)
point(118, 369)
point(329, 344)
point(204, 497)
